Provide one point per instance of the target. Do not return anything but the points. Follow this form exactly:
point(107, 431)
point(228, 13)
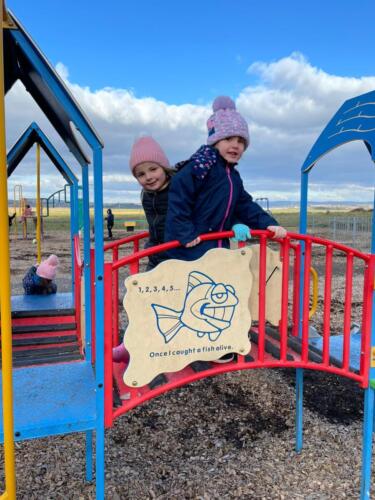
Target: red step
point(44, 338)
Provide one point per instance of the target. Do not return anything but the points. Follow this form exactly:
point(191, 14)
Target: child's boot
point(120, 354)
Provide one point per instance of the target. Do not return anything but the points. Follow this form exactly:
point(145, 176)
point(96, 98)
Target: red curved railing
point(134, 239)
point(287, 357)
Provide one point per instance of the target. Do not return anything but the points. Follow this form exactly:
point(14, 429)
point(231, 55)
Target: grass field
point(321, 222)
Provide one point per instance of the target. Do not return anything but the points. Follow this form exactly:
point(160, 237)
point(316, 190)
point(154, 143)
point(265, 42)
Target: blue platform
point(54, 302)
point(52, 399)
point(336, 347)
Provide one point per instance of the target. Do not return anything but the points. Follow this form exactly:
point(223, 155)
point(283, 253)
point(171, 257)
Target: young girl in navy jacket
point(150, 166)
point(207, 193)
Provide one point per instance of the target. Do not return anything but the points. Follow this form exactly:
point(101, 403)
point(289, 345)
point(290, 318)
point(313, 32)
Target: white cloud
point(62, 70)
point(118, 178)
point(286, 110)
point(294, 95)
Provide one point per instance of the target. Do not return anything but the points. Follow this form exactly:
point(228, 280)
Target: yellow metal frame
point(6, 20)
point(5, 293)
point(24, 219)
point(314, 304)
point(38, 219)
point(18, 197)
point(17, 200)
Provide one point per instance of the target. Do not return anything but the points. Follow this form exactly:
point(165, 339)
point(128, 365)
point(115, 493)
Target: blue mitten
point(241, 232)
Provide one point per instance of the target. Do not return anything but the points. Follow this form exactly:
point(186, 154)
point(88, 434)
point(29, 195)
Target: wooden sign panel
point(273, 285)
point(182, 312)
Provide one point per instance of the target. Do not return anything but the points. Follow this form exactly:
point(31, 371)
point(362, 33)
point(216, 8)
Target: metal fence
point(351, 230)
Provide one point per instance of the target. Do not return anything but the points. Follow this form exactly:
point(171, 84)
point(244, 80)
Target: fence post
point(354, 229)
point(334, 228)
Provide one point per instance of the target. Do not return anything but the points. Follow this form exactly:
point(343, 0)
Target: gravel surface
point(226, 437)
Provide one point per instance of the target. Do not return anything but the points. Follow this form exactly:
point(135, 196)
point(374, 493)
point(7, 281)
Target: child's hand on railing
point(278, 231)
point(193, 243)
point(241, 232)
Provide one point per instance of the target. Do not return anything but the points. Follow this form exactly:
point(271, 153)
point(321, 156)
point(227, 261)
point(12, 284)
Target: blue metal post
point(74, 205)
point(99, 321)
point(87, 292)
point(89, 456)
point(373, 236)
point(86, 260)
point(73, 225)
point(350, 123)
point(368, 417)
point(368, 425)
point(299, 371)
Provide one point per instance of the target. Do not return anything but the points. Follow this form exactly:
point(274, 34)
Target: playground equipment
point(287, 346)
point(55, 198)
point(135, 220)
point(82, 380)
point(18, 205)
point(46, 331)
point(23, 212)
point(130, 225)
point(26, 213)
point(81, 396)
point(34, 135)
point(353, 121)
point(264, 203)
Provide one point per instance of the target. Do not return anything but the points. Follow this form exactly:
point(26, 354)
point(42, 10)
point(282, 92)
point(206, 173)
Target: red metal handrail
point(303, 360)
point(134, 238)
point(284, 299)
point(114, 246)
point(327, 304)
point(296, 286)
point(347, 308)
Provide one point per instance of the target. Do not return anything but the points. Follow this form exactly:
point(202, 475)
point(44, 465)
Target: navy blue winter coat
point(110, 220)
point(207, 195)
point(35, 285)
point(155, 205)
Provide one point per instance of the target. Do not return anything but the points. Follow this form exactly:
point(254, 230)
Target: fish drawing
point(208, 309)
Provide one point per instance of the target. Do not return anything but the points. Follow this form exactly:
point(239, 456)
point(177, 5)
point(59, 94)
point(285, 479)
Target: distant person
point(28, 213)
point(10, 218)
point(150, 166)
point(110, 222)
point(39, 278)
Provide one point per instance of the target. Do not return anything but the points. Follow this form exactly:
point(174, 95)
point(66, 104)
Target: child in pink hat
point(150, 166)
point(39, 279)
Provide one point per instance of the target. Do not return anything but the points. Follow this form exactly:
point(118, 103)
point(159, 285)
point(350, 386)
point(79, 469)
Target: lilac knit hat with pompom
point(226, 121)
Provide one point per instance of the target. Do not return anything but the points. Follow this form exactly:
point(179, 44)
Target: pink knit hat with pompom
point(47, 268)
point(146, 149)
point(226, 121)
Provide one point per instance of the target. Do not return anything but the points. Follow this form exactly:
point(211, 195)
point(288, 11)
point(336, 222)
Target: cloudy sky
point(154, 67)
